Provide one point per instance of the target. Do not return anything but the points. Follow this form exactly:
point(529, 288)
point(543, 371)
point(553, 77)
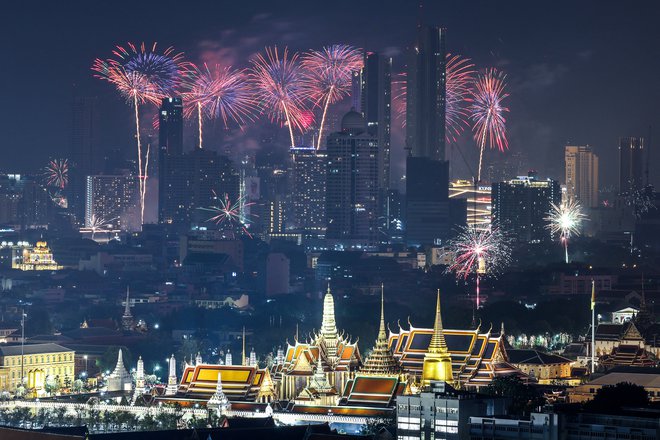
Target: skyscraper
point(633, 166)
point(582, 175)
point(308, 195)
point(352, 183)
point(376, 107)
point(425, 98)
point(84, 152)
point(521, 205)
point(170, 157)
point(431, 217)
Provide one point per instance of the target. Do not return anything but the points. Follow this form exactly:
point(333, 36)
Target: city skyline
point(545, 78)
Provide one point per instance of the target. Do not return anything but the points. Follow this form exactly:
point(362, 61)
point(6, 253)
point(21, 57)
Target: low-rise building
point(545, 367)
point(649, 378)
point(37, 365)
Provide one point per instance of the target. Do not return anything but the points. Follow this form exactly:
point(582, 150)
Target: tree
point(524, 398)
point(611, 398)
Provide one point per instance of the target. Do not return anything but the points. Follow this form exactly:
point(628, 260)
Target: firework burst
point(218, 93)
point(487, 112)
point(230, 213)
point(564, 220)
point(640, 200)
point(278, 83)
point(142, 74)
point(327, 76)
point(57, 173)
point(97, 224)
point(479, 252)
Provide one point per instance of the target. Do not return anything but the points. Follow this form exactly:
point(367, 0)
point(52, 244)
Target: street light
point(85, 357)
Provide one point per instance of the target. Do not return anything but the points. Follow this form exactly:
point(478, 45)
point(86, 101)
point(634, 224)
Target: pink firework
point(487, 112)
point(218, 93)
point(57, 173)
point(278, 84)
point(230, 213)
point(460, 78)
point(328, 74)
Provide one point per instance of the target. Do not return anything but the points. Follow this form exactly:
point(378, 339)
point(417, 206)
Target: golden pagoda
point(381, 361)
point(437, 360)
point(39, 257)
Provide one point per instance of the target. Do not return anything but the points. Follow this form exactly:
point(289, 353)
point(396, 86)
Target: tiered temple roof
point(381, 361)
point(476, 357)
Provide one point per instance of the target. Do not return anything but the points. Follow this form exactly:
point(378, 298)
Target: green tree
point(524, 398)
point(611, 398)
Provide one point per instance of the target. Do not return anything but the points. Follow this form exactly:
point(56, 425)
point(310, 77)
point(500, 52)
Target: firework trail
point(278, 84)
point(230, 213)
point(57, 173)
point(460, 78)
point(478, 252)
point(142, 74)
point(565, 220)
point(487, 112)
point(328, 75)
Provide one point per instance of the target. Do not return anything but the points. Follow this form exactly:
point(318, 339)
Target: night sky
point(583, 72)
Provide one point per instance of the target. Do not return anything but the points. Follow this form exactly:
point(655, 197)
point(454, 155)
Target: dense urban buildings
point(229, 251)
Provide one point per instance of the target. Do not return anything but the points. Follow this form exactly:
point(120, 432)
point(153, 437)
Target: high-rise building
point(170, 157)
point(308, 195)
point(633, 164)
point(521, 205)
point(431, 216)
point(352, 183)
point(582, 175)
point(426, 95)
point(85, 154)
point(376, 106)
point(112, 199)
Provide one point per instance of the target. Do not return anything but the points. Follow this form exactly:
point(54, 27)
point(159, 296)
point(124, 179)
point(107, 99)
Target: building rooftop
point(535, 357)
point(28, 349)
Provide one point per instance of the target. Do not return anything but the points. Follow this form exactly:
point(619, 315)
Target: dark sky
point(582, 72)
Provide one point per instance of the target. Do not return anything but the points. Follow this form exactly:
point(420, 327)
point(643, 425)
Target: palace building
point(476, 358)
point(339, 357)
point(38, 364)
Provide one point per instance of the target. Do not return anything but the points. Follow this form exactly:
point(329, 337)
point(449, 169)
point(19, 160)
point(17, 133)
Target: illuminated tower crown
point(171, 378)
point(380, 360)
point(437, 361)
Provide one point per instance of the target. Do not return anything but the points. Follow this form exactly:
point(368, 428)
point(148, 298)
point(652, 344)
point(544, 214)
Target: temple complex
point(39, 257)
point(339, 357)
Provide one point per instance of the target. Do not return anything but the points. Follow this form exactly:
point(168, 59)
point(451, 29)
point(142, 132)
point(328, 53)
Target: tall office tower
point(170, 174)
point(521, 205)
point(582, 175)
point(431, 216)
point(376, 107)
point(426, 91)
point(35, 204)
point(633, 164)
point(11, 195)
point(84, 154)
point(352, 184)
point(113, 199)
point(308, 195)
point(394, 214)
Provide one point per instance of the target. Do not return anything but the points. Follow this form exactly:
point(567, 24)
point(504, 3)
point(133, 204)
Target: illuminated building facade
point(39, 257)
point(581, 175)
point(112, 200)
point(479, 204)
point(521, 205)
point(308, 195)
point(38, 364)
point(352, 184)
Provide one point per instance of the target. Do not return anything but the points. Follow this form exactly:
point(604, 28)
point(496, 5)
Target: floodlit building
point(40, 257)
point(581, 175)
point(37, 364)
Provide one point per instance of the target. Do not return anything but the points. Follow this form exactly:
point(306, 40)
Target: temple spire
point(329, 326)
point(382, 336)
point(437, 361)
point(438, 343)
point(243, 358)
point(381, 361)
